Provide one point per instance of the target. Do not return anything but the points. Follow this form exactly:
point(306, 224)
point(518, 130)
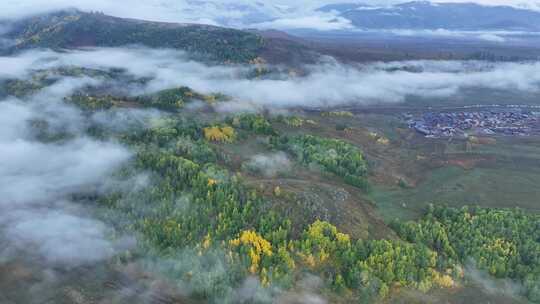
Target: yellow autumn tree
point(442, 280)
point(277, 191)
point(256, 246)
point(321, 242)
point(210, 99)
point(219, 134)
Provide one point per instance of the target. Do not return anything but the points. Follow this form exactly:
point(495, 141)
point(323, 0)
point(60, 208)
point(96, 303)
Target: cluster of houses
point(513, 122)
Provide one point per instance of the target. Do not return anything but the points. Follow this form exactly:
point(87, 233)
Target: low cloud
point(37, 179)
point(491, 36)
point(307, 292)
point(488, 36)
point(269, 165)
point(18, 67)
point(61, 238)
point(327, 84)
point(4, 42)
point(123, 120)
point(320, 22)
point(491, 285)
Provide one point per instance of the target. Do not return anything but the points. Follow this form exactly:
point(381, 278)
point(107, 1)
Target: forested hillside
point(501, 242)
point(72, 29)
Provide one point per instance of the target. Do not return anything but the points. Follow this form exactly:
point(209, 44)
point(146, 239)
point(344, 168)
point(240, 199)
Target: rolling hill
point(73, 28)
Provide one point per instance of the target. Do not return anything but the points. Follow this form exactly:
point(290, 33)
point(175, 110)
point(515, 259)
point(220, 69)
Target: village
point(508, 122)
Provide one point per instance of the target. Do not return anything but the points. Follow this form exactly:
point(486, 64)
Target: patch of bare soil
point(310, 196)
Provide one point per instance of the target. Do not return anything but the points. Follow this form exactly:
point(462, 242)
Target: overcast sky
point(275, 13)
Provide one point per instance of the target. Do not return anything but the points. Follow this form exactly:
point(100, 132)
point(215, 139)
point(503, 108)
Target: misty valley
point(161, 162)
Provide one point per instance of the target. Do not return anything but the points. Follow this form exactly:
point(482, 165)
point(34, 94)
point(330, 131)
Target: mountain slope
point(427, 15)
point(71, 29)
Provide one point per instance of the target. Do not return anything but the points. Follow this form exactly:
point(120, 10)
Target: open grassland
point(500, 172)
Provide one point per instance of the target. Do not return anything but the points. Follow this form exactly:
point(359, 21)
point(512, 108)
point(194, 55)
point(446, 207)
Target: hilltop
point(73, 29)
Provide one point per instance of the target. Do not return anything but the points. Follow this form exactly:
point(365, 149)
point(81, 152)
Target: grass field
point(504, 173)
point(487, 187)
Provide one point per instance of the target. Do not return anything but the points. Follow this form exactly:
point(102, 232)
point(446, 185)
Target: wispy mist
point(269, 165)
point(489, 36)
point(329, 83)
point(492, 285)
point(37, 178)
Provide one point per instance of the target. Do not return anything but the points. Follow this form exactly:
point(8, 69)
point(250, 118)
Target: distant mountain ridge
point(72, 28)
point(425, 15)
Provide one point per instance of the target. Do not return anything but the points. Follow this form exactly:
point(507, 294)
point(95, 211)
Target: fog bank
point(326, 84)
point(37, 179)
